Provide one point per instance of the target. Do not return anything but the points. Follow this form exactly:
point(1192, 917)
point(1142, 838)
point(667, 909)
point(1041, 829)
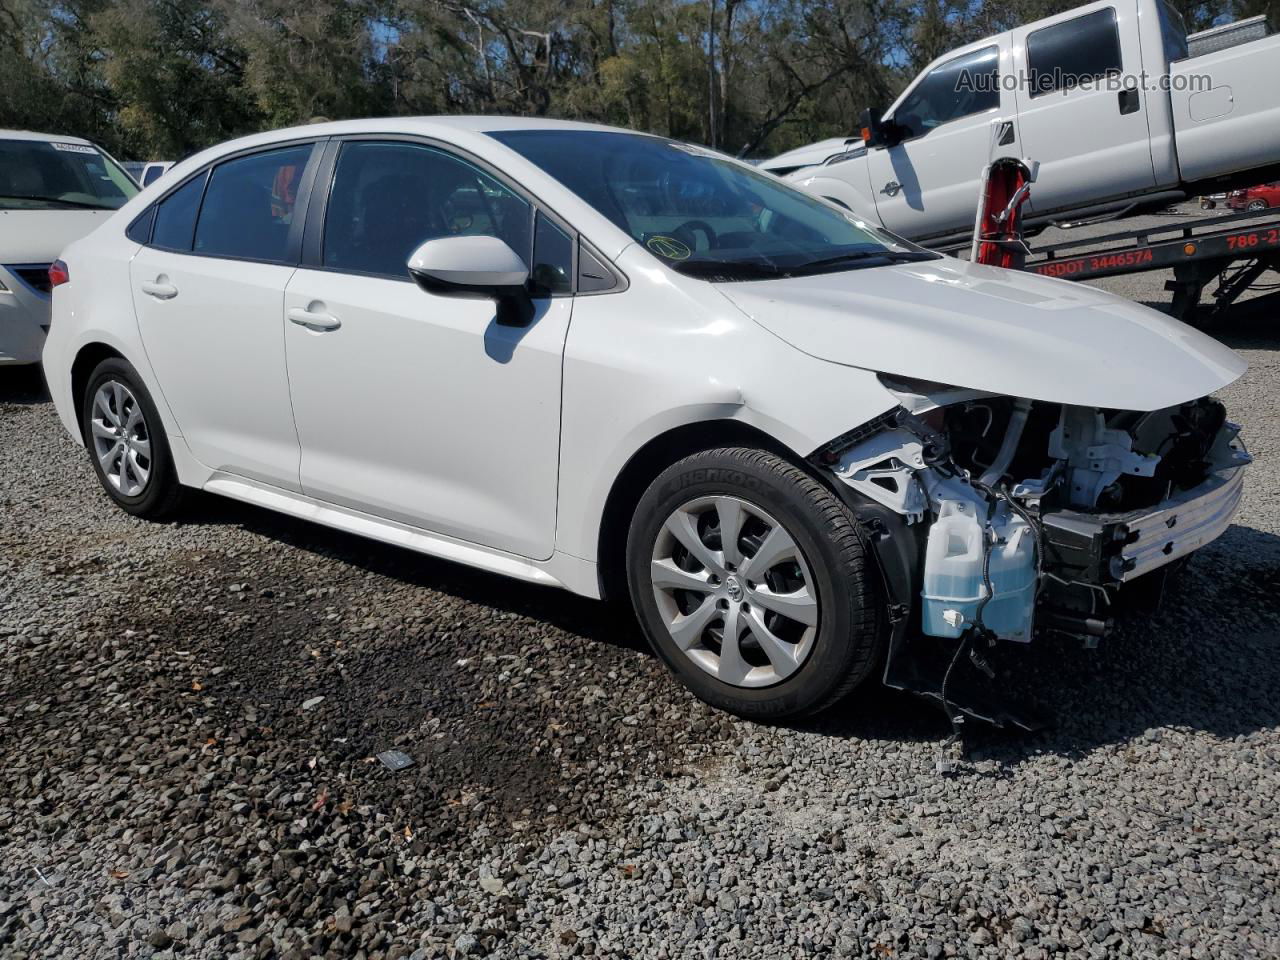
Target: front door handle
point(891, 188)
point(314, 320)
point(160, 288)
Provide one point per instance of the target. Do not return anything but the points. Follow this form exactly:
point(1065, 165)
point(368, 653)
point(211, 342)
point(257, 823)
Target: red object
point(1268, 193)
point(58, 274)
point(998, 231)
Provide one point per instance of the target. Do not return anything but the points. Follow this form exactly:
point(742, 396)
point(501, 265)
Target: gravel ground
point(189, 714)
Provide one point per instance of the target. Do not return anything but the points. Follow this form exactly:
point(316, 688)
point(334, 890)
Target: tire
point(1255, 205)
point(125, 428)
point(814, 655)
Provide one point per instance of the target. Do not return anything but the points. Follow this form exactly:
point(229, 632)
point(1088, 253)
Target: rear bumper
point(1115, 548)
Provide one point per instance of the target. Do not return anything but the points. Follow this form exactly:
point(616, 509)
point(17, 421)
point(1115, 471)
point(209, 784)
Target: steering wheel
point(687, 230)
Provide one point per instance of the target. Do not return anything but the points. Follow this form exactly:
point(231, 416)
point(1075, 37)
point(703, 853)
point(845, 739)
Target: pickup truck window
point(1061, 56)
point(961, 87)
point(1173, 32)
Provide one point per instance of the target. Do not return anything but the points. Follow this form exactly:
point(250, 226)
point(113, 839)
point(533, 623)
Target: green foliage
point(162, 78)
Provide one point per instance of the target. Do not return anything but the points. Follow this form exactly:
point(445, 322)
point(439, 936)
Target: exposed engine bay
point(1024, 517)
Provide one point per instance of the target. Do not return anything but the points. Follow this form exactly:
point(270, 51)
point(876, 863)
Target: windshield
point(39, 175)
point(701, 213)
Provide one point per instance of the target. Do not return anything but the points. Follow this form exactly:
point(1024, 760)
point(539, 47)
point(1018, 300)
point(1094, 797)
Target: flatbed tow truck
point(1236, 250)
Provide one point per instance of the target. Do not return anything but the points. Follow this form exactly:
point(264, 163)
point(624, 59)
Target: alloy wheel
point(121, 439)
point(735, 591)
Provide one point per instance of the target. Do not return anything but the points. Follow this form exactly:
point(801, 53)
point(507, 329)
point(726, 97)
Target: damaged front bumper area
point(1000, 519)
point(1115, 548)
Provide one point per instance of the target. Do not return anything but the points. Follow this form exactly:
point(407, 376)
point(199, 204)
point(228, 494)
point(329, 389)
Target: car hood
point(38, 236)
point(994, 330)
point(810, 154)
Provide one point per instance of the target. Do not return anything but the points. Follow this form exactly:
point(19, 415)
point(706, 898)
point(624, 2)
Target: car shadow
point(1208, 661)
point(609, 623)
point(23, 385)
point(1252, 324)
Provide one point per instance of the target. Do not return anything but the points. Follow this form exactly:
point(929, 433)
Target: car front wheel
point(126, 442)
point(1257, 205)
point(752, 584)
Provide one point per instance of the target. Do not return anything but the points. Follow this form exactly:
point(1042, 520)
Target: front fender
point(635, 369)
point(840, 192)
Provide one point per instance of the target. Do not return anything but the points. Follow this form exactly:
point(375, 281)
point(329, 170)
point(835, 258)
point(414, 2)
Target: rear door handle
point(160, 288)
point(313, 320)
point(1129, 102)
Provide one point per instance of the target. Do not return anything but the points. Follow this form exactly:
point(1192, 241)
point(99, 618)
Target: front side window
point(961, 87)
point(43, 175)
point(701, 213)
point(249, 204)
point(1074, 52)
point(389, 198)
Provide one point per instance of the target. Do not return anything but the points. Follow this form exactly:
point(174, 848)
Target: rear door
point(1081, 110)
point(208, 288)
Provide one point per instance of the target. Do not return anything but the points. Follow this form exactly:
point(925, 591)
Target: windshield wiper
point(894, 256)
point(79, 204)
point(728, 269)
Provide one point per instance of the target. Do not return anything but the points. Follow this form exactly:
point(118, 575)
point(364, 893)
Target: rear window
point(1076, 51)
point(248, 206)
point(39, 175)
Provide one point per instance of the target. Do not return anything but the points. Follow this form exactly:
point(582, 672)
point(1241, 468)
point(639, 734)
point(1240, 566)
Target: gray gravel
point(173, 785)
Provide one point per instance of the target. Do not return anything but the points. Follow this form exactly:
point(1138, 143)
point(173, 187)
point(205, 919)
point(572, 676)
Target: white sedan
point(805, 450)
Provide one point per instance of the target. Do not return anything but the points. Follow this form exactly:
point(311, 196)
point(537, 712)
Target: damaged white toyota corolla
point(809, 451)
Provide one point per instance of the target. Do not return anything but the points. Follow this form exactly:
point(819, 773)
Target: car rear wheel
point(751, 583)
point(1257, 205)
point(126, 442)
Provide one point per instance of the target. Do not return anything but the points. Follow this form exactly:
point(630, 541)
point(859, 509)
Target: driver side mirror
point(876, 132)
point(476, 268)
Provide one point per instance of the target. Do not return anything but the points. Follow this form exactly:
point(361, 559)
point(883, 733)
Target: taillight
point(58, 274)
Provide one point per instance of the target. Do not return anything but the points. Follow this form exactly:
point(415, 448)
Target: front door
point(418, 408)
point(209, 294)
point(1082, 112)
point(927, 185)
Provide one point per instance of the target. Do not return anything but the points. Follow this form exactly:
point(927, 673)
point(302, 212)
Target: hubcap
point(735, 591)
point(121, 440)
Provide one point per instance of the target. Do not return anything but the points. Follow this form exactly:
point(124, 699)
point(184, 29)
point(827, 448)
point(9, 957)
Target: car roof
point(445, 127)
point(439, 125)
point(41, 137)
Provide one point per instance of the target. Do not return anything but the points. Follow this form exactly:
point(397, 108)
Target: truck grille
point(34, 275)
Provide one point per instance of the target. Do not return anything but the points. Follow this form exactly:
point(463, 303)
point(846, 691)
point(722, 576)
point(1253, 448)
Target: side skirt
point(561, 570)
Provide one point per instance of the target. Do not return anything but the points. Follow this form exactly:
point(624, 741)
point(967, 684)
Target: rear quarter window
point(176, 216)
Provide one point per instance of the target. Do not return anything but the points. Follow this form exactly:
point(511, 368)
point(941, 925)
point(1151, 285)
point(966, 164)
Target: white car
point(53, 190)
point(813, 155)
point(614, 363)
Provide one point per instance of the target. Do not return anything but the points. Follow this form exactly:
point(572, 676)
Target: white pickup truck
point(1104, 97)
